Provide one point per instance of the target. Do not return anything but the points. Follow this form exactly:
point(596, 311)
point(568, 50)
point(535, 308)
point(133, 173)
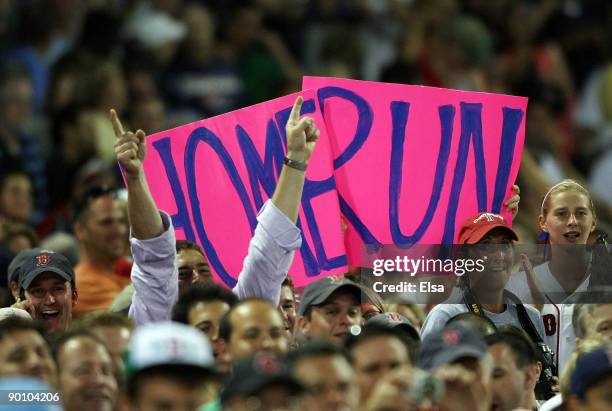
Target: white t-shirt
point(552, 404)
point(441, 313)
point(556, 317)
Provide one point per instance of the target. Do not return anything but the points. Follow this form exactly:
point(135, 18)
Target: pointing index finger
point(294, 117)
point(116, 124)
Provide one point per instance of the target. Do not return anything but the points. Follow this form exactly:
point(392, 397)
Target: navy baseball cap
point(317, 292)
point(449, 345)
point(253, 374)
point(14, 268)
point(43, 261)
point(590, 369)
point(395, 320)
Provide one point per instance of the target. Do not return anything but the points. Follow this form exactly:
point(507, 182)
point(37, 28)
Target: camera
point(544, 387)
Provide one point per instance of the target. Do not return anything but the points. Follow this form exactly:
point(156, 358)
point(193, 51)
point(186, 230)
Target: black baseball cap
point(395, 320)
point(449, 345)
point(253, 374)
point(317, 292)
point(591, 368)
point(14, 268)
point(44, 261)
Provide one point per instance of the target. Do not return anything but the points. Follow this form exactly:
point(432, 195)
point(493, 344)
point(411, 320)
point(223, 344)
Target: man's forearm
point(144, 216)
point(288, 193)
point(270, 254)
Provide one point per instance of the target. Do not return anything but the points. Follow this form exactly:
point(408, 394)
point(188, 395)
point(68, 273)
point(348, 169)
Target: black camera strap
point(524, 318)
point(526, 324)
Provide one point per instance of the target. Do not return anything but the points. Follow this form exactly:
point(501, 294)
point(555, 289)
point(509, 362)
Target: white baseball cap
point(8, 312)
point(168, 343)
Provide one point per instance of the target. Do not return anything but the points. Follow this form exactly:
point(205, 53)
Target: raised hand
point(513, 202)
point(302, 134)
point(130, 148)
point(537, 293)
point(27, 306)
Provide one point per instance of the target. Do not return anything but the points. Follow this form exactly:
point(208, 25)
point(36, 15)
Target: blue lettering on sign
point(204, 135)
point(364, 233)
point(181, 218)
point(262, 172)
point(471, 129)
point(364, 125)
point(512, 121)
point(399, 114)
point(312, 189)
point(364, 122)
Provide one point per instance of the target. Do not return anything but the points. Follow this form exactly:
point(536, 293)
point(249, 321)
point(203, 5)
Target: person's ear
point(303, 325)
point(75, 297)
point(532, 375)
point(79, 230)
point(542, 223)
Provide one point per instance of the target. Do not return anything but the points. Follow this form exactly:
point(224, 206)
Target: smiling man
point(47, 289)
point(86, 373)
point(330, 307)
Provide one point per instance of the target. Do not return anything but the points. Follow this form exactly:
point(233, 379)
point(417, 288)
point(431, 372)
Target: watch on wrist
point(298, 165)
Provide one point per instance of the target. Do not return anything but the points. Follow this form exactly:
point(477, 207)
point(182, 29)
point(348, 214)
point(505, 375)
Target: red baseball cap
point(473, 229)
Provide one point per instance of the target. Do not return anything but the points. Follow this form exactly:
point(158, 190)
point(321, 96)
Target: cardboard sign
point(212, 177)
point(411, 163)
point(403, 164)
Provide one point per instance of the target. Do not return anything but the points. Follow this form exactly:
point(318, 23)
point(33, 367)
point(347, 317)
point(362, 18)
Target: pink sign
point(411, 163)
point(212, 177)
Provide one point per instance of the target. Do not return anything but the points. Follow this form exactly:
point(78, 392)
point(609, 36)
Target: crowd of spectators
point(103, 297)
